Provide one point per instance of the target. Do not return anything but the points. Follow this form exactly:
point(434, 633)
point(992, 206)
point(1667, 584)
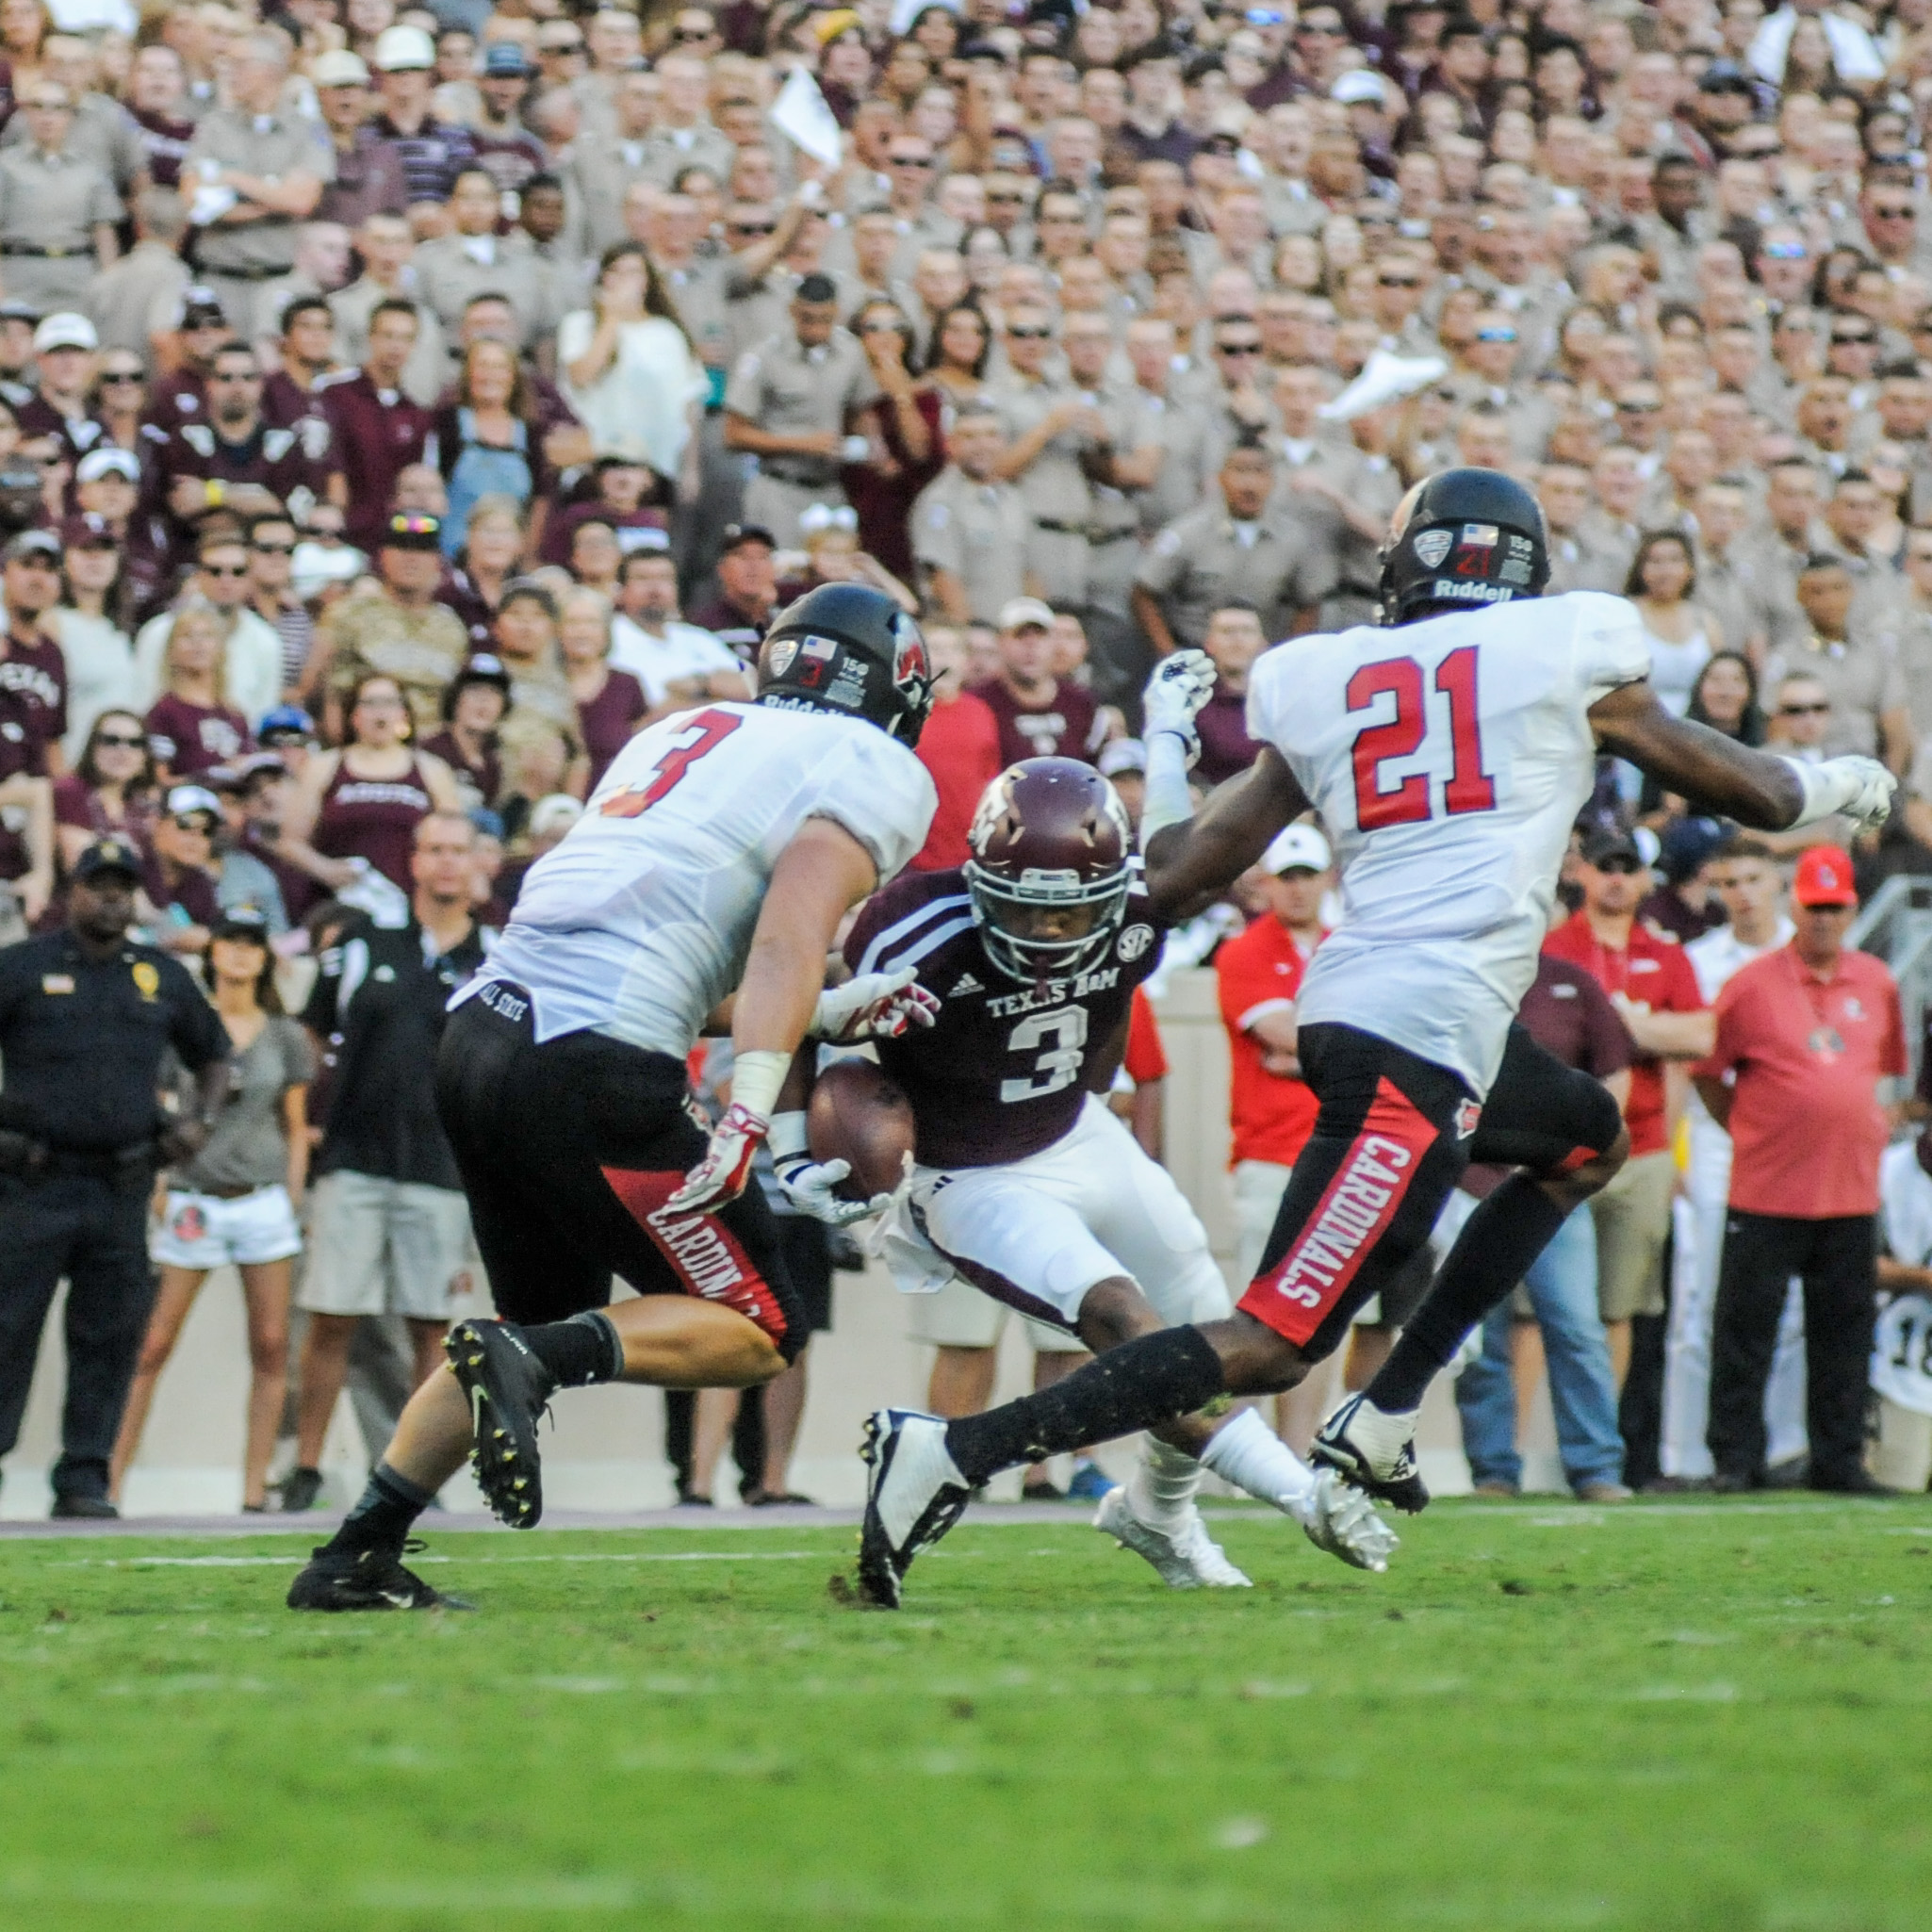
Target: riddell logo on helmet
point(1452, 590)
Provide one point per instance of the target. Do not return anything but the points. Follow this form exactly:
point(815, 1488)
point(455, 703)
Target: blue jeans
point(1562, 1285)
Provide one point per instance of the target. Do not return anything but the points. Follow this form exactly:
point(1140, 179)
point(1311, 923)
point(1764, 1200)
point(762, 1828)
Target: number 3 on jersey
point(1468, 789)
point(703, 733)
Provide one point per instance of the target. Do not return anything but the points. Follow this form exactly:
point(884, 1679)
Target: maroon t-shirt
point(1225, 745)
point(190, 737)
point(164, 141)
point(485, 776)
point(992, 1080)
point(373, 819)
point(1063, 727)
point(643, 528)
point(190, 899)
point(33, 703)
point(608, 719)
point(378, 435)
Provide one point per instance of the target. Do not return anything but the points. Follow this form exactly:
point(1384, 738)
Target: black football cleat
point(508, 1390)
point(365, 1580)
point(1374, 1451)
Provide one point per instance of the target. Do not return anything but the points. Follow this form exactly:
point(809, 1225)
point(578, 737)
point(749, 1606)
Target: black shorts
point(809, 1263)
point(568, 1152)
point(1393, 1137)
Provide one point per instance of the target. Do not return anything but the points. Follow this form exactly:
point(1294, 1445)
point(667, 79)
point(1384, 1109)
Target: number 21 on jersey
point(1409, 802)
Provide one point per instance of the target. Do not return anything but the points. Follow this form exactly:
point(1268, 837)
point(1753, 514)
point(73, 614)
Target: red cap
point(1825, 878)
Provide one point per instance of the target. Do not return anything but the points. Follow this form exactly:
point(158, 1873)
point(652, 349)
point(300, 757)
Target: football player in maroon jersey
point(1024, 1183)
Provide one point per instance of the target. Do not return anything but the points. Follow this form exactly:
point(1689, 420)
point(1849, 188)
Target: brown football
point(859, 1115)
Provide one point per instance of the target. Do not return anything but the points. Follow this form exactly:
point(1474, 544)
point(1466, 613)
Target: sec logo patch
point(1135, 942)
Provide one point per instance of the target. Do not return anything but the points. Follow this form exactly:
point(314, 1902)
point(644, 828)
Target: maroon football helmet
point(1050, 869)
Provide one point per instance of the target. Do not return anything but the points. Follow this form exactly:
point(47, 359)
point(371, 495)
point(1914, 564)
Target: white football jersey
point(1449, 761)
point(638, 923)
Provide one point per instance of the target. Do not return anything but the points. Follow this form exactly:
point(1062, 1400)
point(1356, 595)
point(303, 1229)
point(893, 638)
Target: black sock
point(1144, 1382)
point(584, 1350)
point(1496, 1245)
point(385, 1517)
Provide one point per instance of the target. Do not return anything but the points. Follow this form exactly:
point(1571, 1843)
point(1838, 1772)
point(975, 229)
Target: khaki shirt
point(272, 146)
point(602, 170)
point(1053, 486)
point(426, 374)
point(793, 391)
point(138, 296)
point(978, 532)
point(1187, 462)
point(669, 151)
point(1863, 680)
point(451, 271)
point(53, 201)
point(102, 132)
point(1205, 560)
point(422, 650)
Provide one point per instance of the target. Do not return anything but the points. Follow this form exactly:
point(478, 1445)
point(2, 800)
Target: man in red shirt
point(1040, 716)
point(1270, 1109)
point(1655, 993)
point(378, 431)
point(960, 745)
point(1807, 1034)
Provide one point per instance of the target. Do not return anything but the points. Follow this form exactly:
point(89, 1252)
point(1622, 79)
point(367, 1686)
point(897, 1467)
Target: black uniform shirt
point(381, 991)
point(83, 1038)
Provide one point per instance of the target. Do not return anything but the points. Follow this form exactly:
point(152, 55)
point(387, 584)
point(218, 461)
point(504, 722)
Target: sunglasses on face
point(106, 743)
point(195, 824)
point(1398, 281)
point(689, 35)
point(1495, 335)
point(1028, 335)
point(224, 569)
point(751, 228)
point(121, 375)
point(1238, 349)
point(275, 549)
point(910, 162)
point(1803, 710)
point(1622, 868)
point(1895, 214)
point(1784, 252)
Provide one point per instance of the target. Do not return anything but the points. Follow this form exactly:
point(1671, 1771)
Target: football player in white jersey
point(1449, 755)
point(717, 859)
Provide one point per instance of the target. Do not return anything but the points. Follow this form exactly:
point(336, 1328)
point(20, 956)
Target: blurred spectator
point(473, 707)
point(485, 441)
point(113, 788)
point(959, 746)
point(1655, 994)
point(250, 682)
point(272, 599)
point(1233, 641)
point(1680, 634)
point(401, 631)
point(1811, 1032)
point(971, 532)
point(1039, 715)
point(1684, 905)
point(677, 663)
point(747, 601)
point(237, 1200)
point(180, 878)
point(190, 728)
point(1746, 879)
point(96, 651)
point(611, 704)
point(360, 806)
point(388, 1227)
point(1859, 675)
point(903, 424)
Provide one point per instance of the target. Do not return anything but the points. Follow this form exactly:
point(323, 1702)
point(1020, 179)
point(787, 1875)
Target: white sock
point(1247, 1453)
point(1161, 1489)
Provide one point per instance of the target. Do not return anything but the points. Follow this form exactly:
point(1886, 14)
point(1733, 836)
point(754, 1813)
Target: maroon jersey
point(164, 141)
point(290, 464)
point(39, 417)
point(288, 404)
point(178, 398)
point(1063, 727)
point(373, 819)
point(33, 704)
point(189, 738)
point(1225, 745)
point(608, 720)
point(1008, 1066)
point(379, 433)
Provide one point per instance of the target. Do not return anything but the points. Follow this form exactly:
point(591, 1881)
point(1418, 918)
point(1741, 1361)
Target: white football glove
point(1181, 684)
point(811, 1187)
point(874, 1005)
point(1861, 788)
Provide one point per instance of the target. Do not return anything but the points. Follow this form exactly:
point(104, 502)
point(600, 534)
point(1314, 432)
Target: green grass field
point(1654, 1717)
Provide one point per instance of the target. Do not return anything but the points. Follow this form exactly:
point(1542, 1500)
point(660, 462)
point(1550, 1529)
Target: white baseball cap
point(1016, 613)
point(65, 331)
point(110, 462)
point(1299, 848)
point(402, 47)
point(339, 68)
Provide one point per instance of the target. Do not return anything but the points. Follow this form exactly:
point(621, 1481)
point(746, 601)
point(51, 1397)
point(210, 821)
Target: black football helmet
point(850, 650)
point(1051, 867)
point(1462, 538)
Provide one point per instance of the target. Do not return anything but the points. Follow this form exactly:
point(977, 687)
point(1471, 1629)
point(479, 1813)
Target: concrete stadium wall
point(606, 1451)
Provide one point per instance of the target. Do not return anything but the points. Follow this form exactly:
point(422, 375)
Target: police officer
point(1232, 553)
point(84, 1015)
point(58, 209)
point(255, 171)
point(787, 403)
point(973, 535)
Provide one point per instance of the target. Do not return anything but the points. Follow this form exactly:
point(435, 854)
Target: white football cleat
point(1187, 1556)
point(913, 1495)
point(1339, 1518)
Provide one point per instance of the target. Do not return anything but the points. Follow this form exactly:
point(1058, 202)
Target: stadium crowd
point(400, 408)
